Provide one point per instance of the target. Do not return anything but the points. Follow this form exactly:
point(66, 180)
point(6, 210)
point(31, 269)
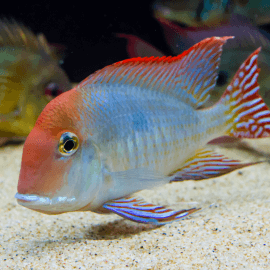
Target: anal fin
point(207, 164)
point(138, 210)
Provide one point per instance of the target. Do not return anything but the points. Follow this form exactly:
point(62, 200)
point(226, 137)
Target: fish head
point(31, 76)
point(61, 168)
point(49, 77)
point(54, 81)
point(30, 82)
point(46, 82)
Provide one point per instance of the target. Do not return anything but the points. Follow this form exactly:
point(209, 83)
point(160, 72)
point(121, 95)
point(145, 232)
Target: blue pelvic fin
point(138, 210)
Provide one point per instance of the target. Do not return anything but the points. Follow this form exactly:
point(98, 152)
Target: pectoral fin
point(138, 210)
point(207, 164)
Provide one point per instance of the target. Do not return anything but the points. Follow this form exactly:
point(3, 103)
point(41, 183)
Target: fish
point(212, 13)
point(137, 47)
point(247, 39)
point(136, 125)
point(30, 77)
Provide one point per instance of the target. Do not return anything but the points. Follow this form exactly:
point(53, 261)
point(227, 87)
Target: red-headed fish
point(135, 125)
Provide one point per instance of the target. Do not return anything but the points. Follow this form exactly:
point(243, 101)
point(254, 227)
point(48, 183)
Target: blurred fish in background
point(248, 37)
point(30, 76)
point(137, 47)
point(212, 12)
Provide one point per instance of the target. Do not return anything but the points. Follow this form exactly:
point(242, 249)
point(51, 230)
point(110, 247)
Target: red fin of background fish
point(137, 47)
point(251, 115)
point(140, 211)
point(188, 77)
point(177, 37)
point(207, 164)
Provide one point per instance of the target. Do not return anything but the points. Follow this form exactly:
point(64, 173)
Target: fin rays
point(251, 117)
point(138, 210)
point(207, 164)
point(189, 76)
point(17, 35)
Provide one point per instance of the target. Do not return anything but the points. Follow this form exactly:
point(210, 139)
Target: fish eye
point(68, 144)
point(52, 90)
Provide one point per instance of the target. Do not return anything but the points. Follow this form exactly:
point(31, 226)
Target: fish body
point(212, 13)
point(30, 76)
point(135, 125)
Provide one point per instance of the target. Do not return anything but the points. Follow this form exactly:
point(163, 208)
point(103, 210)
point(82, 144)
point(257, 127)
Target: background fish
point(247, 39)
point(136, 125)
point(30, 76)
point(137, 47)
point(212, 12)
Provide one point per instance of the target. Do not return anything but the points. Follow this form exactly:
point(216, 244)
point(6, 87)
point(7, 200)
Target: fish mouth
point(28, 198)
point(47, 205)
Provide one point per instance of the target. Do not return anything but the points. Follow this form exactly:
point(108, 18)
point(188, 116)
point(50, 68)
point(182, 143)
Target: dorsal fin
point(17, 35)
point(188, 77)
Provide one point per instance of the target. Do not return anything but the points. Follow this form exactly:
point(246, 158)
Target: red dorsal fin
point(207, 164)
point(251, 116)
point(188, 77)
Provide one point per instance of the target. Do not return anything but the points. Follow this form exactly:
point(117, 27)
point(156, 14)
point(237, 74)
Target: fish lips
point(47, 205)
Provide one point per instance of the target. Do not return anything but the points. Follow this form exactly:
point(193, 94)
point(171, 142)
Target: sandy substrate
point(234, 234)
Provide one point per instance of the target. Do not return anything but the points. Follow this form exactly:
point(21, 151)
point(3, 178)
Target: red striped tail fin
point(250, 115)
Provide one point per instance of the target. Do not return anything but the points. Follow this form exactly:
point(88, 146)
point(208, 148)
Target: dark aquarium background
point(88, 31)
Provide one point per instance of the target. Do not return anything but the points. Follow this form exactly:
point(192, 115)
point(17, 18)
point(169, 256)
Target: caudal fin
point(250, 117)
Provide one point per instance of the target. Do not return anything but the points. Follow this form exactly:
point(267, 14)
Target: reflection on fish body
point(136, 125)
point(30, 78)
